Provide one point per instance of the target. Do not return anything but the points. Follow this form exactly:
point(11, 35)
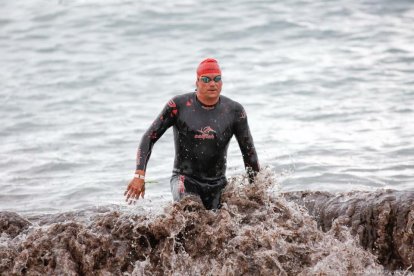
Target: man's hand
point(135, 189)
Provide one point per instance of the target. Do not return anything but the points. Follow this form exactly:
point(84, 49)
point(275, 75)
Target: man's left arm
point(245, 140)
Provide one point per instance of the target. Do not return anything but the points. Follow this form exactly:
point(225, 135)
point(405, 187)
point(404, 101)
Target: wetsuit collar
point(208, 107)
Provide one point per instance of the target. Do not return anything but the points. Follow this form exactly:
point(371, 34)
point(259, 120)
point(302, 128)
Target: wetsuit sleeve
point(245, 140)
point(166, 119)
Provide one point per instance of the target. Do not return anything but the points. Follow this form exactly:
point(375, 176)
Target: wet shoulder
point(181, 100)
point(231, 105)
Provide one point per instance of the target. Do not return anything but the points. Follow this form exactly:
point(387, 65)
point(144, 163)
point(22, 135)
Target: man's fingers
point(132, 196)
point(138, 194)
point(126, 194)
point(133, 192)
point(130, 193)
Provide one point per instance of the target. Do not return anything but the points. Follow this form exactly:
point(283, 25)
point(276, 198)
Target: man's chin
point(213, 93)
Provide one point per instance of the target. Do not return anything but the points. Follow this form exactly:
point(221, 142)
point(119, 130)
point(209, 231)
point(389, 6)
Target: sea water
point(327, 87)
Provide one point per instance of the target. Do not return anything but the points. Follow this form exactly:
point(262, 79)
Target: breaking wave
point(257, 232)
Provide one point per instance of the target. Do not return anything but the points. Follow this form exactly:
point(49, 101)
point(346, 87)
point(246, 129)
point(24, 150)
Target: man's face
point(209, 86)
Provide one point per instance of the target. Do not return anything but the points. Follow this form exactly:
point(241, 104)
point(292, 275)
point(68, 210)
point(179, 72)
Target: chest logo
point(205, 133)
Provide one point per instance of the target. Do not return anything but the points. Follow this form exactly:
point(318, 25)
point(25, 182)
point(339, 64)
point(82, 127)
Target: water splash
point(257, 232)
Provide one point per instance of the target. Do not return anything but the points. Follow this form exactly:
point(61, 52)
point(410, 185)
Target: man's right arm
point(166, 119)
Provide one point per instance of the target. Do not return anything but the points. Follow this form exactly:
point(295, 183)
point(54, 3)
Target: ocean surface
point(328, 87)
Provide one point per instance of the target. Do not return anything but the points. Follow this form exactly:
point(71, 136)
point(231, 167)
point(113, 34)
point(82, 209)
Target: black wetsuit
point(202, 135)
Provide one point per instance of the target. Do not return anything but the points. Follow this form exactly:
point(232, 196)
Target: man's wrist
point(139, 176)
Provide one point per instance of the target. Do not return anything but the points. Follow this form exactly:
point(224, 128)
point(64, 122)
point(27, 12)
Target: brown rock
point(12, 224)
point(383, 220)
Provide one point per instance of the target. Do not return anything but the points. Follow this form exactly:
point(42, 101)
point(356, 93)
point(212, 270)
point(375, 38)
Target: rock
point(383, 220)
point(12, 224)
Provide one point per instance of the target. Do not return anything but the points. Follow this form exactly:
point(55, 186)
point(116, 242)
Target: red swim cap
point(208, 66)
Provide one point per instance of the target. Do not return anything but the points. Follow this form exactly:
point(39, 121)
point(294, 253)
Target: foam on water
point(257, 232)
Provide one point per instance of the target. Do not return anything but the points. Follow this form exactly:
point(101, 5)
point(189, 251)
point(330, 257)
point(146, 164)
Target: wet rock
point(382, 220)
point(12, 224)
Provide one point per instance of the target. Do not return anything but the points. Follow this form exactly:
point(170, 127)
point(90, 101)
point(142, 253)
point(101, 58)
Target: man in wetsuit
point(204, 122)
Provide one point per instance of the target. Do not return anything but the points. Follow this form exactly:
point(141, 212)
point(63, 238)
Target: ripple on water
point(328, 88)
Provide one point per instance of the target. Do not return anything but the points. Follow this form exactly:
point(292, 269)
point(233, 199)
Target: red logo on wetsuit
point(205, 133)
point(173, 105)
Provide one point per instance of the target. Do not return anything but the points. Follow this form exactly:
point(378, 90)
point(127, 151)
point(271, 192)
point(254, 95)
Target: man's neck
point(207, 102)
